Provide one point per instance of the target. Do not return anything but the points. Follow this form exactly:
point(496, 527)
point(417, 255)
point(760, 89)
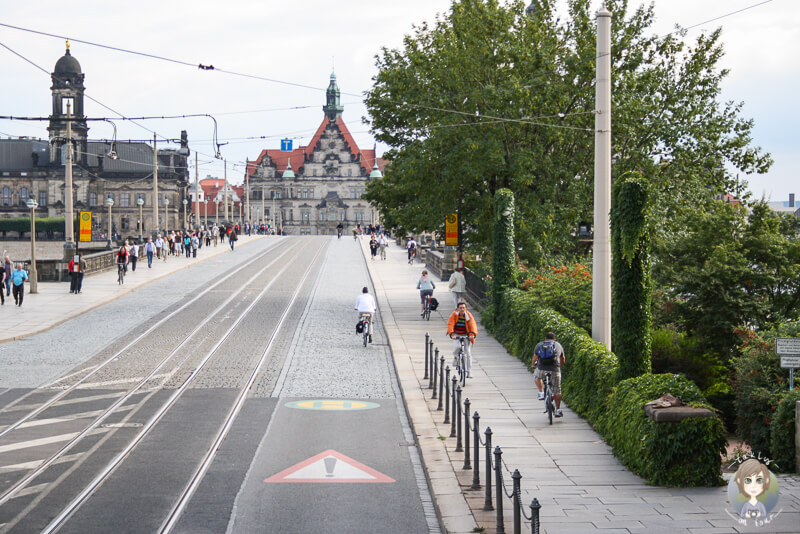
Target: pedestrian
point(134, 255)
point(8, 268)
point(232, 237)
point(150, 249)
point(2, 284)
point(187, 245)
point(18, 278)
point(458, 286)
point(73, 267)
point(382, 244)
point(195, 245)
point(207, 235)
point(81, 272)
point(159, 246)
point(373, 247)
point(215, 231)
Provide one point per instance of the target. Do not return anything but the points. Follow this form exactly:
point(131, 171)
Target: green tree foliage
point(728, 269)
point(631, 283)
point(566, 289)
point(504, 259)
point(487, 97)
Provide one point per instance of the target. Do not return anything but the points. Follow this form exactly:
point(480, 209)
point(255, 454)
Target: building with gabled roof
point(312, 189)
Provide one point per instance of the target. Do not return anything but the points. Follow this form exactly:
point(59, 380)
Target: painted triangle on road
point(329, 467)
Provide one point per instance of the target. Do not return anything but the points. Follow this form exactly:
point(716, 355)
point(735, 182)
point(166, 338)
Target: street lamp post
point(140, 202)
point(109, 203)
point(217, 212)
point(32, 204)
point(185, 214)
point(166, 215)
point(205, 211)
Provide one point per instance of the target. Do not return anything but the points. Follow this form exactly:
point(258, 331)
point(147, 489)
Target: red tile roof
point(298, 155)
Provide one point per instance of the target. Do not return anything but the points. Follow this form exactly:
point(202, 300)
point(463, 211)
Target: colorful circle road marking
point(332, 405)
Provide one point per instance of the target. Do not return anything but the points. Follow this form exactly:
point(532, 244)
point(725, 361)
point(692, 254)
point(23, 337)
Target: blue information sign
point(286, 145)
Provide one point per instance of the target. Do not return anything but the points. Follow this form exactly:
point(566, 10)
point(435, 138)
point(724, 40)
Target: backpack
point(547, 352)
point(434, 304)
point(359, 327)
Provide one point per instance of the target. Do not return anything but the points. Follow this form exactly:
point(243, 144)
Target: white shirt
point(382, 240)
point(365, 303)
point(410, 243)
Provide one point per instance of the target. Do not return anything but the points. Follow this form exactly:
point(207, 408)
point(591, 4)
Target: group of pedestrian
point(376, 244)
point(13, 280)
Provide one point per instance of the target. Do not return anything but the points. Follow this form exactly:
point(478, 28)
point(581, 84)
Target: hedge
point(782, 433)
point(23, 224)
point(673, 454)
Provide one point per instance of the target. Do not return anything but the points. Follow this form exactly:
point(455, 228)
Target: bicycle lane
point(338, 454)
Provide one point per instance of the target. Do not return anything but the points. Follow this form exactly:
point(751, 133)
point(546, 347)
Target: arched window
point(6, 197)
point(23, 196)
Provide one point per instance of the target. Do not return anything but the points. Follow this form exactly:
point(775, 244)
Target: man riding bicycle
point(462, 323)
point(411, 245)
point(365, 305)
point(549, 354)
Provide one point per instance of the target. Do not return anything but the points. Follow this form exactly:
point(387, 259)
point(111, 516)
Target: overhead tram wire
point(273, 80)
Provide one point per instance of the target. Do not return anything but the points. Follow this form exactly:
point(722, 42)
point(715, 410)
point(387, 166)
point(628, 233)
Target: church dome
point(67, 65)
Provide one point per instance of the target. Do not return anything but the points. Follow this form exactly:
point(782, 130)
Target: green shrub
point(566, 289)
point(782, 433)
point(685, 453)
point(588, 384)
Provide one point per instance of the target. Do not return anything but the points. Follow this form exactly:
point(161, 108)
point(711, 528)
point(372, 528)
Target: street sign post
point(788, 348)
point(286, 145)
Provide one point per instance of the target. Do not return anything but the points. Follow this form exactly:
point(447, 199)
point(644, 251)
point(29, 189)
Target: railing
point(438, 376)
point(476, 289)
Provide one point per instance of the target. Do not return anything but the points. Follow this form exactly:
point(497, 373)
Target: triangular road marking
point(330, 467)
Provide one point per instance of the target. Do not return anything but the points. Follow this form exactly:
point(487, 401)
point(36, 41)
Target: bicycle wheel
point(462, 371)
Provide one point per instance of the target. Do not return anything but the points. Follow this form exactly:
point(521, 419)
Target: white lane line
point(31, 490)
point(90, 385)
point(37, 442)
point(67, 418)
point(65, 377)
point(36, 463)
point(74, 401)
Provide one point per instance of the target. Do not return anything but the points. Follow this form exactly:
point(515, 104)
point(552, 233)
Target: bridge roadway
point(234, 397)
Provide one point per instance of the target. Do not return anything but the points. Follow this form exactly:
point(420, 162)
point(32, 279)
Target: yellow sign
point(332, 405)
point(451, 230)
point(85, 226)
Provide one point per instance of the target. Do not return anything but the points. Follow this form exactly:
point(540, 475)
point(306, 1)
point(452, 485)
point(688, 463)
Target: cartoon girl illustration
point(752, 477)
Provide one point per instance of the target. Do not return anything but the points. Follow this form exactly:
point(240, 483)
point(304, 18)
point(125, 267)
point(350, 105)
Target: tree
point(487, 97)
point(504, 259)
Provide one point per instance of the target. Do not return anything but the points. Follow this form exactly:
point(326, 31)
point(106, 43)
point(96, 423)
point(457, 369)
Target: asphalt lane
point(331, 470)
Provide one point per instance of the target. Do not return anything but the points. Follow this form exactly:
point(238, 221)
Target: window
point(341, 214)
point(92, 200)
point(322, 215)
point(305, 216)
point(126, 224)
point(6, 198)
point(125, 200)
point(159, 200)
point(42, 199)
point(138, 196)
point(310, 193)
point(291, 214)
point(23, 196)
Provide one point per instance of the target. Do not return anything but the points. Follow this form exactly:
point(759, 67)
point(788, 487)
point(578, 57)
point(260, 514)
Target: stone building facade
point(122, 171)
point(312, 189)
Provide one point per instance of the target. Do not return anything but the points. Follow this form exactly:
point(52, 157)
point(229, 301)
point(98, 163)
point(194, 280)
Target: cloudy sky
point(297, 44)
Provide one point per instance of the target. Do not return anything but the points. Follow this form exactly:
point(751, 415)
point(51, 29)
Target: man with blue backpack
point(548, 357)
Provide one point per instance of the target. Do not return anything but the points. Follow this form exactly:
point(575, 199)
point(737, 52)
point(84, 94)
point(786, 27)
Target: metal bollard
point(427, 361)
point(517, 502)
point(498, 484)
point(466, 434)
point(447, 396)
point(435, 371)
point(476, 473)
point(453, 407)
point(430, 351)
point(535, 506)
point(441, 383)
point(457, 415)
point(487, 503)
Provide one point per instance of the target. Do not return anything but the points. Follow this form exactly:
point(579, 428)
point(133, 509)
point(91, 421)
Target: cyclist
point(339, 229)
point(411, 246)
point(426, 287)
point(365, 305)
point(462, 323)
point(122, 258)
point(549, 357)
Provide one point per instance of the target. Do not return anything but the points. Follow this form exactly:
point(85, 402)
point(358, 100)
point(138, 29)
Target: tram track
point(19, 488)
point(22, 483)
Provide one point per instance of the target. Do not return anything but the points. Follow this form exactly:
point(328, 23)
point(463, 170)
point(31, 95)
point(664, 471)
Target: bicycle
point(121, 273)
point(549, 402)
point(461, 360)
point(426, 313)
point(365, 329)
point(412, 253)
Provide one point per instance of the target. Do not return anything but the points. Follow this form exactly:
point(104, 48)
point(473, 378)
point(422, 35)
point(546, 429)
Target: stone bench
point(676, 413)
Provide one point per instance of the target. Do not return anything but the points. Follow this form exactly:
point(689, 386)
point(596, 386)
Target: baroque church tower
point(67, 91)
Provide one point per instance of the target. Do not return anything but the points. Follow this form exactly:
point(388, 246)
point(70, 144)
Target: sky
point(298, 44)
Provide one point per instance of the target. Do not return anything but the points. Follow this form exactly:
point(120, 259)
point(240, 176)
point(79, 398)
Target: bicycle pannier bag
point(359, 327)
point(434, 304)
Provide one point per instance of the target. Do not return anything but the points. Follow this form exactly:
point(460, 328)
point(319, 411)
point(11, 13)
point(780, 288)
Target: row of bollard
point(438, 374)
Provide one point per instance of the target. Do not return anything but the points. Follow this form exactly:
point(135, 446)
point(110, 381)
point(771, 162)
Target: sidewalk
point(54, 304)
point(579, 483)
